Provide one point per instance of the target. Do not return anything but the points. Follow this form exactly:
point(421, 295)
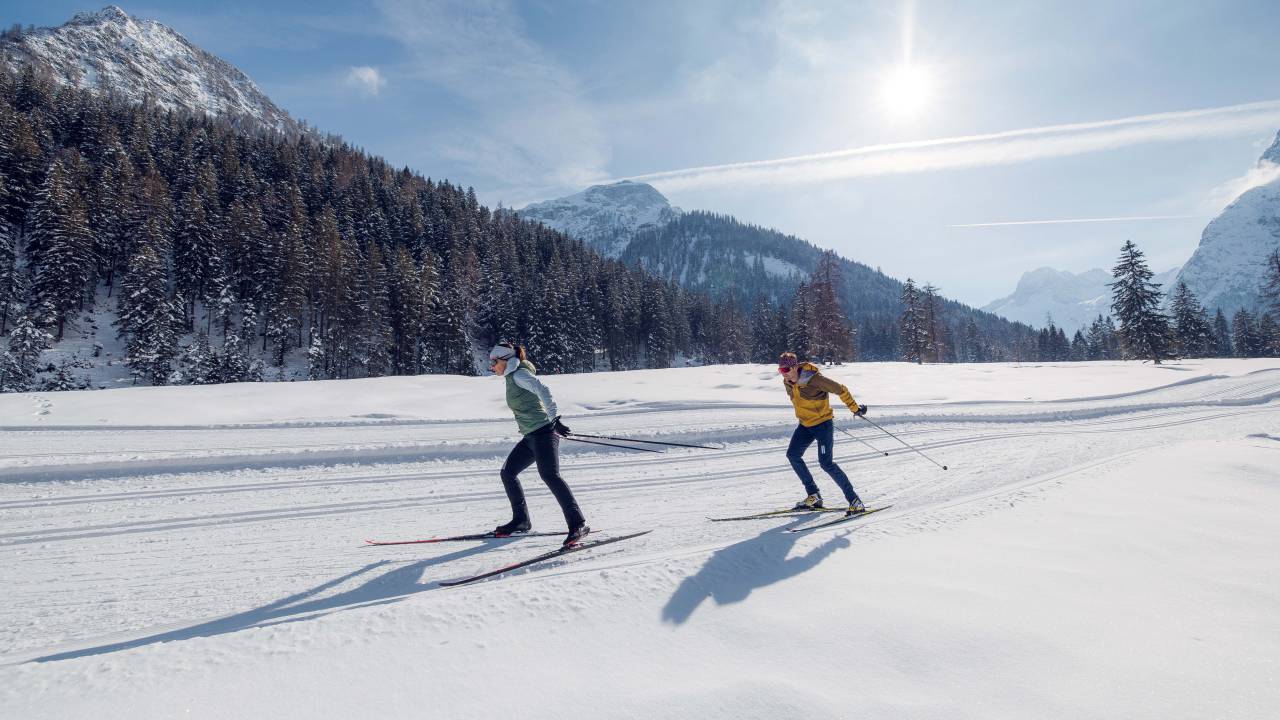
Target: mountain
point(1226, 271)
point(109, 51)
point(728, 259)
point(1072, 300)
point(605, 216)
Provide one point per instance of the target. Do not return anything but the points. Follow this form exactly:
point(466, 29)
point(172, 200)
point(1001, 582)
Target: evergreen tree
point(1268, 336)
point(20, 363)
point(914, 324)
point(9, 289)
point(1271, 286)
point(1222, 346)
point(1191, 323)
point(800, 330)
point(764, 349)
point(1244, 335)
point(147, 316)
point(60, 246)
point(832, 333)
point(1136, 303)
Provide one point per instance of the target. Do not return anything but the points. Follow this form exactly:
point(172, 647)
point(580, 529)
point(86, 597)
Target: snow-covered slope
point(1073, 300)
point(1103, 545)
point(605, 216)
point(1227, 270)
point(137, 59)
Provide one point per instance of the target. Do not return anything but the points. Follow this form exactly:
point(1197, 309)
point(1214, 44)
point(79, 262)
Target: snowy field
point(1104, 544)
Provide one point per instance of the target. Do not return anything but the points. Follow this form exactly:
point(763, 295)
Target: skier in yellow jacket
point(808, 390)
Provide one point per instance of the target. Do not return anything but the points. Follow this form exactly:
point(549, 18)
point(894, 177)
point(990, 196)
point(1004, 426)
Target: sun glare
point(905, 91)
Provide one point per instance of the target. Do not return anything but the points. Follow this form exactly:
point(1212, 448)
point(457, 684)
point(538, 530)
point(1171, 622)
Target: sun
point(905, 91)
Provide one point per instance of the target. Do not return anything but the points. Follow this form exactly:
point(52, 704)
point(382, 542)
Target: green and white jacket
point(528, 398)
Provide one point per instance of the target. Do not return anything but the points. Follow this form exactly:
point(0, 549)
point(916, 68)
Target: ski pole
point(864, 442)
point(624, 447)
point(904, 442)
point(650, 442)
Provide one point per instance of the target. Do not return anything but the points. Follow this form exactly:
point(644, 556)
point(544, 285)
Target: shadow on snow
point(392, 586)
point(732, 573)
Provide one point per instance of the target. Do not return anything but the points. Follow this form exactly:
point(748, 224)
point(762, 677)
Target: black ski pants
point(542, 446)
point(801, 439)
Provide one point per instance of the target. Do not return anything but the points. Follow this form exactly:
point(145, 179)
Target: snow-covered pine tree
point(147, 316)
point(316, 359)
point(1191, 325)
point(1136, 302)
point(1268, 336)
point(913, 324)
point(60, 246)
point(22, 360)
point(973, 343)
point(1244, 334)
point(446, 347)
point(8, 274)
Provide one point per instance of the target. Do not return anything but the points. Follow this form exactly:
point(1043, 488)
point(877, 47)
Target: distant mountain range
point(1071, 300)
point(726, 258)
point(142, 60)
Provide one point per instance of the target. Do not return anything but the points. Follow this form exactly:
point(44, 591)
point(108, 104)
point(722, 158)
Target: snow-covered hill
point(605, 216)
point(1073, 300)
point(136, 59)
point(1101, 546)
point(1227, 269)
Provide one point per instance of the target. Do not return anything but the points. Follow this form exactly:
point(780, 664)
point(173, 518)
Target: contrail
point(999, 148)
point(1132, 218)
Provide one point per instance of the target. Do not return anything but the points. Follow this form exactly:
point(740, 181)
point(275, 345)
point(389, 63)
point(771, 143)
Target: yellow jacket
point(809, 395)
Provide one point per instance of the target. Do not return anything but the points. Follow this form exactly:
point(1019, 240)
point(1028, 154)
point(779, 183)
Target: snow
point(605, 217)
point(1073, 300)
point(138, 58)
point(1228, 269)
point(1104, 545)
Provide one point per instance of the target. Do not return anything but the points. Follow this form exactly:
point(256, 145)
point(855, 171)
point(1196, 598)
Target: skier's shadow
point(389, 587)
point(731, 573)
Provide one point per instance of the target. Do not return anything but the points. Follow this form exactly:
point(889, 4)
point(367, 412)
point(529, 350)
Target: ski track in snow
point(269, 542)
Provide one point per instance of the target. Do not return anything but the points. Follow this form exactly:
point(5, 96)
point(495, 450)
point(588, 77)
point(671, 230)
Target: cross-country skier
point(539, 422)
point(808, 390)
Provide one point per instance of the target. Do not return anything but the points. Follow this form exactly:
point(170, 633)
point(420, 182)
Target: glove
point(560, 428)
point(862, 410)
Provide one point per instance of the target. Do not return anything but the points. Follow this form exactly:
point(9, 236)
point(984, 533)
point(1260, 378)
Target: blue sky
point(532, 100)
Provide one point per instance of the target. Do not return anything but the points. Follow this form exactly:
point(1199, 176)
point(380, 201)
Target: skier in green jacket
point(539, 422)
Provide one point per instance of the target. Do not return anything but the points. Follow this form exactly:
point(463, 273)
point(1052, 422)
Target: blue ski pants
point(801, 439)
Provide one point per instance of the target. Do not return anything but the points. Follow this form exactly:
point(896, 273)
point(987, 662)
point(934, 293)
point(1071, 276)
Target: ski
point(461, 538)
point(789, 512)
point(837, 521)
point(543, 558)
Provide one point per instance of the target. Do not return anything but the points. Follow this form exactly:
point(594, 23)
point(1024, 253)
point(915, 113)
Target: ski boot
point(515, 527)
point(576, 534)
point(813, 502)
point(855, 508)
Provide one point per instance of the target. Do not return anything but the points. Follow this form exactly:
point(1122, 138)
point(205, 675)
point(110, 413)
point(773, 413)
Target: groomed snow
point(1103, 545)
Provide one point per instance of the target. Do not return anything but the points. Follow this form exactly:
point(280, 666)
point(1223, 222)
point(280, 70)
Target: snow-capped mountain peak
point(1072, 300)
point(1228, 268)
point(110, 51)
point(605, 216)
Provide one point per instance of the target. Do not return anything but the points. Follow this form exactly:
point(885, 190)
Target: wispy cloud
point(528, 122)
point(1070, 221)
point(1259, 175)
point(1001, 148)
point(366, 79)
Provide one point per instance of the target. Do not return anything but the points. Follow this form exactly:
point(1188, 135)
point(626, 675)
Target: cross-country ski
point(491, 535)
point(552, 555)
